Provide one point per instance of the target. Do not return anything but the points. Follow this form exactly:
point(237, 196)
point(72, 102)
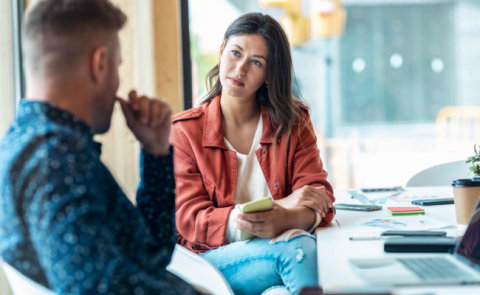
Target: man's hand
point(310, 197)
point(150, 121)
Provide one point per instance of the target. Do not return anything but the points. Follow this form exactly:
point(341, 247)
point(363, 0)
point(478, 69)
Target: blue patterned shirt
point(65, 222)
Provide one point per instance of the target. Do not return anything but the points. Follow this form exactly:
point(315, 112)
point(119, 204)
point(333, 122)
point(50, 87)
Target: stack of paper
point(405, 210)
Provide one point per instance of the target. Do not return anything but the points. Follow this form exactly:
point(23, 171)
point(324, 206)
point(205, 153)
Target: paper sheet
point(414, 222)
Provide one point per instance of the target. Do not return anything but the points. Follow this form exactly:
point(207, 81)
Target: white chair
point(21, 285)
point(198, 272)
point(202, 274)
point(440, 175)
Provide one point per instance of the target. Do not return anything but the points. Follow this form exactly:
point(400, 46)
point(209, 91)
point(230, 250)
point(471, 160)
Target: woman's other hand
point(314, 198)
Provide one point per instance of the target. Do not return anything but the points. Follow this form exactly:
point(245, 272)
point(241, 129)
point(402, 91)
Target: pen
point(372, 238)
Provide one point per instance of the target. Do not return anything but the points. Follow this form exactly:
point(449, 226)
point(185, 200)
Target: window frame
point(186, 58)
point(18, 8)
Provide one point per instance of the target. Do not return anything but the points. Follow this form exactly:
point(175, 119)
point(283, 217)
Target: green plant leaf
point(475, 149)
point(472, 168)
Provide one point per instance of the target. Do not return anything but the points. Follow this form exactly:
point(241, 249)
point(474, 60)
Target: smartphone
point(355, 207)
point(264, 204)
point(429, 202)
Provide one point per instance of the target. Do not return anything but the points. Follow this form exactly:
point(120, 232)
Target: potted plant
point(475, 168)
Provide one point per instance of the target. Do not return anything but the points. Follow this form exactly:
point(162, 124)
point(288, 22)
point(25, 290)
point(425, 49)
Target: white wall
point(7, 99)
point(120, 150)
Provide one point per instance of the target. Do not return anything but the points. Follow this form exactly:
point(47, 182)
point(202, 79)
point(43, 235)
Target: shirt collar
point(213, 132)
point(36, 112)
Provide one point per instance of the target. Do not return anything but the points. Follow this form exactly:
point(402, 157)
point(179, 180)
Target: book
point(407, 213)
point(405, 210)
point(264, 204)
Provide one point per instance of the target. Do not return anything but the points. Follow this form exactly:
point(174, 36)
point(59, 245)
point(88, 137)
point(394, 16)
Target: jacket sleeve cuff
point(217, 226)
point(329, 218)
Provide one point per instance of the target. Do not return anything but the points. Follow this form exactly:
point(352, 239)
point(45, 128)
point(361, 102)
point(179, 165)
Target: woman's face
point(243, 65)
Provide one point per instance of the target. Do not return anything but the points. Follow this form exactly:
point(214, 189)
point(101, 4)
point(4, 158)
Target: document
point(378, 225)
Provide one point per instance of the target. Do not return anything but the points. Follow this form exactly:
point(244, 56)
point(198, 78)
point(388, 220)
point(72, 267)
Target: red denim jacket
point(206, 172)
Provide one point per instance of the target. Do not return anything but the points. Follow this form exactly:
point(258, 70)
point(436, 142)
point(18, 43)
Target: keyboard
point(432, 269)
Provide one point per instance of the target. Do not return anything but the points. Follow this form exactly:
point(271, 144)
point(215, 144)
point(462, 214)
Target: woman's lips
point(235, 82)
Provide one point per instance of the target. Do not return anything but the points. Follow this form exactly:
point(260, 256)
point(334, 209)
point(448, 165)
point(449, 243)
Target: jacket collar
point(266, 133)
point(212, 128)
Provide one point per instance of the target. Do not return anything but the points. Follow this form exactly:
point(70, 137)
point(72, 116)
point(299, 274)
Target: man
point(64, 221)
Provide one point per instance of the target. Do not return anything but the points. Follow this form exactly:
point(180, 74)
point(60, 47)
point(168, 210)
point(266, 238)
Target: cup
point(466, 193)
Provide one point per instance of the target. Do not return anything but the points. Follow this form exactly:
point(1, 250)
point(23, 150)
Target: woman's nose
point(242, 67)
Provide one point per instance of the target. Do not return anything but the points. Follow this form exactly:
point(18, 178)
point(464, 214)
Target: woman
point(251, 138)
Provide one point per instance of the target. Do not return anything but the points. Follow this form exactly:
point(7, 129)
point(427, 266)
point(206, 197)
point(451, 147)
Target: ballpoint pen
point(372, 238)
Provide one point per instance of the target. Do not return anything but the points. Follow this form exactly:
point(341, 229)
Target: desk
point(335, 248)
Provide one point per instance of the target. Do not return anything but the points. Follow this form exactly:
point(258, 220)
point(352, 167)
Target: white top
point(251, 183)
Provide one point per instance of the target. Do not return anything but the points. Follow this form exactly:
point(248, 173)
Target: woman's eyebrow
point(238, 46)
point(260, 56)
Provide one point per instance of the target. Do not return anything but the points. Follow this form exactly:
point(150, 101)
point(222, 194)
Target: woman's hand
point(267, 224)
point(270, 224)
point(310, 197)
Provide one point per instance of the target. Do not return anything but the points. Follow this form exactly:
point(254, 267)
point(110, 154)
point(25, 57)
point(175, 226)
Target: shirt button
point(275, 185)
point(263, 152)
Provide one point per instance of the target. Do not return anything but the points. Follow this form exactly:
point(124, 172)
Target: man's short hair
point(56, 33)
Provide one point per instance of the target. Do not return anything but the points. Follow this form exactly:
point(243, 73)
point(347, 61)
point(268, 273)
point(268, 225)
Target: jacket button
point(275, 185)
point(263, 152)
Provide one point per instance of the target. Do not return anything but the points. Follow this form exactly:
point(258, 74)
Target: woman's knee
point(301, 243)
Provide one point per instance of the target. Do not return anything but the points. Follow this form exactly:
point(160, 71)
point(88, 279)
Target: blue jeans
point(253, 266)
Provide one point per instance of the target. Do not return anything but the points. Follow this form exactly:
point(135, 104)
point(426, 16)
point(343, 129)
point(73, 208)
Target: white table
point(335, 248)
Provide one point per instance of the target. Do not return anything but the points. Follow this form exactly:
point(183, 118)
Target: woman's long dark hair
point(284, 108)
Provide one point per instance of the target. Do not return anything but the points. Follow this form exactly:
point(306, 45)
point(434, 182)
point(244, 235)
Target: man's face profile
point(108, 87)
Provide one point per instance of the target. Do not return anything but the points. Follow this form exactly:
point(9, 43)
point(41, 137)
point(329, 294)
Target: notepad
point(405, 210)
point(264, 204)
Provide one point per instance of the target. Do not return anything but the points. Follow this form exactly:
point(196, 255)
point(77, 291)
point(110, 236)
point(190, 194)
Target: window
point(374, 93)
point(397, 63)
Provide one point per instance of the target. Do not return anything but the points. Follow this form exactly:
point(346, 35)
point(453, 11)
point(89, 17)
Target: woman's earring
point(266, 85)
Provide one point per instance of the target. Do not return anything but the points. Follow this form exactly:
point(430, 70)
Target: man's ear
point(99, 64)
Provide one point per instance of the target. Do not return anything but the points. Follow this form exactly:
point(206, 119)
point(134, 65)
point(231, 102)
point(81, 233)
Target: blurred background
point(393, 85)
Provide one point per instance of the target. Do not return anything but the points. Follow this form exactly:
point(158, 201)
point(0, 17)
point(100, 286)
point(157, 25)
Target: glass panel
point(376, 93)
point(397, 63)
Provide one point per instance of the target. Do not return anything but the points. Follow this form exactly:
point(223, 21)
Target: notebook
point(405, 210)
